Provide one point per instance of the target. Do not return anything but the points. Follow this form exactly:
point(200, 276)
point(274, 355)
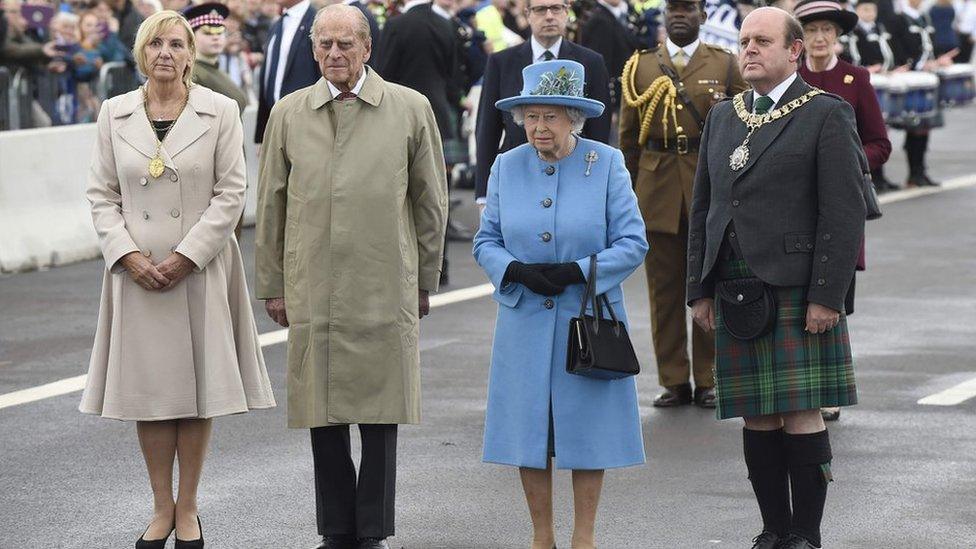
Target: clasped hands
point(820, 319)
point(168, 273)
point(546, 279)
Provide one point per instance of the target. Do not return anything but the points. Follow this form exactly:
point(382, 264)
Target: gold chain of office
point(740, 156)
point(661, 89)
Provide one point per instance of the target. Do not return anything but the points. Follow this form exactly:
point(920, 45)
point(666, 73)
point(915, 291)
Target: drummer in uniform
point(869, 44)
point(914, 36)
point(659, 136)
point(210, 35)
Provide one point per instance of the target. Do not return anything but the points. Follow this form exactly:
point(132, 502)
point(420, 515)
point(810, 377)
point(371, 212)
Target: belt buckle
point(682, 144)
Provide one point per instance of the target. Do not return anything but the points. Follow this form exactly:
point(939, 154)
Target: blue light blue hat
point(556, 82)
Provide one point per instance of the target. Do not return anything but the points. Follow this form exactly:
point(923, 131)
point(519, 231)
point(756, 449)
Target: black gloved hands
point(546, 279)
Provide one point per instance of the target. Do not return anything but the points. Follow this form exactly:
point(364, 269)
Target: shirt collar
point(538, 50)
point(689, 50)
point(910, 11)
point(441, 11)
point(413, 4)
point(355, 89)
point(777, 93)
point(299, 9)
point(617, 11)
point(867, 27)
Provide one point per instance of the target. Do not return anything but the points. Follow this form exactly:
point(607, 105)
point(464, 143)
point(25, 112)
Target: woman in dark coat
point(823, 23)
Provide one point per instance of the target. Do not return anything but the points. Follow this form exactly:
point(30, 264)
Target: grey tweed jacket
point(797, 205)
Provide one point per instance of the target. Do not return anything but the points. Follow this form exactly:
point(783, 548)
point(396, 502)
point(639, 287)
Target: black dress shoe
point(192, 544)
point(705, 397)
point(796, 542)
point(927, 181)
point(143, 543)
point(336, 542)
point(373, 543)
point(676, 395)
point(766, 540)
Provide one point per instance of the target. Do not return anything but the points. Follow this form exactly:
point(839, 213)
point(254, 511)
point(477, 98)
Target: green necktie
point(763, 104)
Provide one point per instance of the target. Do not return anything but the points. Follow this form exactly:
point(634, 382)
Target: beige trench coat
point(191, 351)
point(352, 209)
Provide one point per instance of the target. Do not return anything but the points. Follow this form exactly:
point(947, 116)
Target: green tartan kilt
point(786, 370)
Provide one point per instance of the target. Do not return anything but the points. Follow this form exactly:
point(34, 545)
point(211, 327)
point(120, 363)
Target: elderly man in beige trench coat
point(352, 211)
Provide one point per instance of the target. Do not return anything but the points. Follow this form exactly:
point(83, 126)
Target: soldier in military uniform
point(659, 136)
point(207, 22)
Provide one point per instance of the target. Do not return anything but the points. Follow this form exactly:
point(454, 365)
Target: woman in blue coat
point(553, 202)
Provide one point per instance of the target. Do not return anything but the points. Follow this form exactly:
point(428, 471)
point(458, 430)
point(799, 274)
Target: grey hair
point(343, 10)
point(576, 117)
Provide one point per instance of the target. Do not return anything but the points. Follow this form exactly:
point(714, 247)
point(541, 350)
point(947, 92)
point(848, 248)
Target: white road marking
point(957, 394)
point(905, 194)
point(61, 387)
point(77, 383)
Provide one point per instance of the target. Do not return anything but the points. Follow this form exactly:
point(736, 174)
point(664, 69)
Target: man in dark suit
point(503, 78)
point(777, 220)
point(608, 33)
point(374, 29)
point(420, 52)
point(288, 63)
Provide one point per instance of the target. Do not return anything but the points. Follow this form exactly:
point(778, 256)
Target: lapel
point(371, 92)
point(266, 64)
point(298, 41)
point(524, 56)
point(698, 61)
point(764, 136)
point(137, 132)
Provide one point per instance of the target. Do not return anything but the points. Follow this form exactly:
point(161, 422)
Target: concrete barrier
point(44, 216)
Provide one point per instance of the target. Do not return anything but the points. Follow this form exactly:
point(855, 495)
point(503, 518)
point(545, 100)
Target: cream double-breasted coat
point(191, 351)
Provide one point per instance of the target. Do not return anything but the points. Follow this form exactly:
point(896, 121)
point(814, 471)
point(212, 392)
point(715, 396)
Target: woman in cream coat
point(176, 343)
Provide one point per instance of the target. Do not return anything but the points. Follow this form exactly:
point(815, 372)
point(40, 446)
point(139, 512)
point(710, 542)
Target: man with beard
point(662, 160)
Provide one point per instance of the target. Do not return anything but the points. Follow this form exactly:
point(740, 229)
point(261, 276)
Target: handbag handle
point(590, 296)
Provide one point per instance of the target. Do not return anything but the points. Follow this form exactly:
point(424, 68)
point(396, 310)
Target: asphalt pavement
point(905, 473)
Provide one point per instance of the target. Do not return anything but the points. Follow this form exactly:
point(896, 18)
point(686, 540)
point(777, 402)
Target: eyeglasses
point(556, 9)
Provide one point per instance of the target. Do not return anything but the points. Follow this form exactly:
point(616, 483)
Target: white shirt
point(291, 19)
point(689, 50)
point(910, 11)
point(413, 4)
point(777, 93)
point(355, 89)
point(441, 11)
point(618, 11)
point(538, 50)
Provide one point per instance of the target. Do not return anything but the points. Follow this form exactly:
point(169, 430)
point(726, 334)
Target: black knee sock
point(916, 145)
point(765, 453)
point(809, 461)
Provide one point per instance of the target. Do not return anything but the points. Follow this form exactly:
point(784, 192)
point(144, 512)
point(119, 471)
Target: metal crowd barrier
point(21, 101)
point(4, 99)
point(114, 79)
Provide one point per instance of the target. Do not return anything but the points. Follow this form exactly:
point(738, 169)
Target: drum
point(918, 93)
point(882, 88)
point(957, 85)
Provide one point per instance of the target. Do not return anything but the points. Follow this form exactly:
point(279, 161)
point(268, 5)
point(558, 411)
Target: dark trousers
point(344, 505)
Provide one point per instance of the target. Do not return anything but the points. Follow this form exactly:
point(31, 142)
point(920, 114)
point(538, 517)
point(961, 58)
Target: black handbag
point(599, 347)
point(748, 307)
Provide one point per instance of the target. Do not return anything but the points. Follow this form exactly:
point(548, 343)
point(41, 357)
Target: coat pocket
point(799, 243)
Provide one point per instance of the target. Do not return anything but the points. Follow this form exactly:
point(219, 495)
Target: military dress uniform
point(662, 161)
point(209, 75)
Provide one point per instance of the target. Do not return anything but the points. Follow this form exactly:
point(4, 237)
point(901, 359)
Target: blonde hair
point(155, 25)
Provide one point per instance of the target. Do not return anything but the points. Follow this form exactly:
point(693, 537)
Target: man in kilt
point(777, 218)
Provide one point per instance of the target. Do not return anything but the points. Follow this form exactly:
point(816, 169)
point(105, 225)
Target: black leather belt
point(681, 144)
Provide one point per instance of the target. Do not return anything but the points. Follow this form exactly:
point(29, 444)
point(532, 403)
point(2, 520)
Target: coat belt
point(681, 144)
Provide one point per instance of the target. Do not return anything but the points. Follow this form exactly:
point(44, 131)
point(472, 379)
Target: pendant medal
point(739, 157)
point(156, 167)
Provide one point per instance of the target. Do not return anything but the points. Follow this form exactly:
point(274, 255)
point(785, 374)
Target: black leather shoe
point(676, 395)
point(766, 540)
point(796, 542)
point(192, 544)
point(336, 542)
point(705, 397)
point(143, 543)
point(830, 414)
point(373, 543)
point(927, 181)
